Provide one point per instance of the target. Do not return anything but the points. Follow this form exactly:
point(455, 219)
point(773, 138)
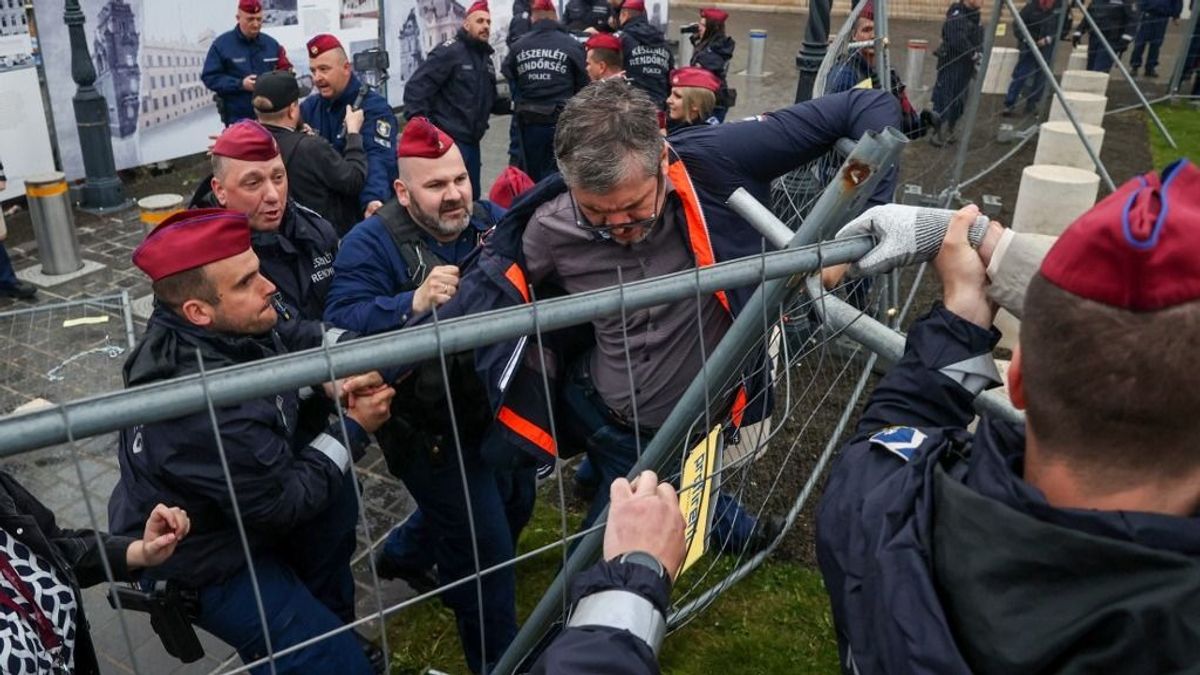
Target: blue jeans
point(443, 527)
point(8, 277)
point(1151, 31)
point(537, 150)
point(612, 452)
point(474, 160)
point(1027, 74)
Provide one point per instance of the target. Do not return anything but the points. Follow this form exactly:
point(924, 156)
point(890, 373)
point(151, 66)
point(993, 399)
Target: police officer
point(926, 529)
point(235, 59)
point(1117, 21)
point(648, 60)
point(1152, 29)
point(295, 245)
point(338, 88)
point(544, 69)
point(1041, 17)
point(713, 50)
point(295, 495)
point(587, 16)
point(318, 176)
point(604, 58)
point(455, 88)
point(394, 267)
point(957, 60)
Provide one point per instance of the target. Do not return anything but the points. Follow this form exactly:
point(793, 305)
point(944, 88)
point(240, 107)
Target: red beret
point(695, 77)
point(604, 41)
point(422, 139)
point(250, 6)
point(543, 6)
point(283, 62)
point(248, 140)
point(509, 185)
point(322, 43)
point(714, 14)
point(478, 6)
point(191, 239)
point(1136, 249)
point(868, 12)
point(634, 5)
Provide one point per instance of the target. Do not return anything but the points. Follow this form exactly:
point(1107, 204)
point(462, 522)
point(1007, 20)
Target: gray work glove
point(903, 235)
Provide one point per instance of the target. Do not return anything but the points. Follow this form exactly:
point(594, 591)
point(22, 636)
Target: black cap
point(278, 87)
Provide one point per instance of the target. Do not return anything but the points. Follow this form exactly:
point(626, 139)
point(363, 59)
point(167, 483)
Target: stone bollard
point(915, 70)
point(1078, 59)
point(758, 46)
point(1085, 81)
point(999, 71)
point(157, 208)
point(1051, 197)
point(1088, 108)
point(53, 223)
point(1059, 144)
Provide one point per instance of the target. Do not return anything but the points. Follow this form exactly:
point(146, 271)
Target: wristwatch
point(645, 560)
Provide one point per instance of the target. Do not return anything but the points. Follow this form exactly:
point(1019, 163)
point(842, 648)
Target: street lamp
point(812, 51)
point(102, 189)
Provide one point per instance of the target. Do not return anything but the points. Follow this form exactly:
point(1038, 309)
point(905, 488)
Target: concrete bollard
point(1088, 108)
point(915, 68)
point(1051, 197)
point(53, 223)
point(686, 49)
point(157, 208)
point(758, 46)
point(1000, 69)
point(1059, 144)
point(1078, 59)
point(1085, 81)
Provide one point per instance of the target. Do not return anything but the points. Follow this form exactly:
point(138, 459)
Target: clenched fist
point(439, 287)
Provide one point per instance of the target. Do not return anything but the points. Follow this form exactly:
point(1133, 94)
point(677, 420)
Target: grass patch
point(1183, 121)
point(775, 621)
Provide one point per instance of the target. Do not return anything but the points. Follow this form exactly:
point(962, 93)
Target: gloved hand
point(903, 235)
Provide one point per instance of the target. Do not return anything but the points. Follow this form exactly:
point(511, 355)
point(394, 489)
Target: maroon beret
point(478, 6)
point(543, 6)
point(1136, 249)
point(283, 62)
point(868, 12)
point(319, 44)
point(634, 5)
point(509, 185)
point(714, 14)
point(604, 41)
point(247, 140)
point(250, 6)
point(695, 77)
point(421, 138)
point(191, 239)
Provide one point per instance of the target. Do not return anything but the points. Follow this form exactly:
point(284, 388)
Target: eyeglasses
point(583, 223)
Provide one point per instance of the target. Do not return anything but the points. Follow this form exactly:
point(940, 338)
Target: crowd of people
point(326, 219)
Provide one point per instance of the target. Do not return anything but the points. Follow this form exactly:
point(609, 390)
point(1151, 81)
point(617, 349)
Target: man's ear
point(218, 191)
point(402, 195)
point(198, 313)
point(1016, 380)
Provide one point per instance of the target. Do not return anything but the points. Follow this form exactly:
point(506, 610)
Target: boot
point(938, 138)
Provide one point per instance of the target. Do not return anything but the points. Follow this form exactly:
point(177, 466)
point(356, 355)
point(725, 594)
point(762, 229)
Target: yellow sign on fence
point(696, 495)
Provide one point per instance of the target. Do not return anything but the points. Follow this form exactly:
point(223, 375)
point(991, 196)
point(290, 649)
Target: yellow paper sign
point(696, 495)
point(865, 84)
point(1001, 29)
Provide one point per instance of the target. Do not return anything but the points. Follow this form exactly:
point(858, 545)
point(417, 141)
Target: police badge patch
point(383, 129)
point(900, 441)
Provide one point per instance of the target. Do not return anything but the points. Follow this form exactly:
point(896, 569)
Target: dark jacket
point(707, 163)
point(327, 118)
point(714, 57)
point(855, 70)
point(232, 57)
point(74, 553)
point(648, 60)
point(581, 15)
point(1042, 23)
point(962, 38)
point(298, 259)
point(1116, 19)
point(546, 67)
point(281, 461)
point(939, 558)
point(520, 23)
point(322, 179)
point(1162, 8)
point(455, 88)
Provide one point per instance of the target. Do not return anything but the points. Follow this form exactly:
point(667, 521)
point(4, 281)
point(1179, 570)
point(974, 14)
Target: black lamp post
point(102, 189)
point(812, 51)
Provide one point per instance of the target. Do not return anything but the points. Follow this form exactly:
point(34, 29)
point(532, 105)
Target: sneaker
point(21, 289)
point(420, 580)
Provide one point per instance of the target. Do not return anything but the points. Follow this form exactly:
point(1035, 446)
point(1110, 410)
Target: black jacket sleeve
point(420, 92)
point(346, 173)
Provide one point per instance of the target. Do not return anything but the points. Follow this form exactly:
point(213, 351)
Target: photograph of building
point(356, 13)
point(13, 20)
point(280, 13)
point(440, 20)
point(172, 88)
point(410, 54)
point(115, 56)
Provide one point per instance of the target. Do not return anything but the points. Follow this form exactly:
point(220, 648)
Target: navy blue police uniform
point(290, 472)
point(1117, 21)
point(456, 89)
point(544, 69)
point(581, 15)
point(298, 259)
point(327, 118)
point(648, 60)
point(714, 56)
point(957, 61)
point(382, 262)
point(1152, 30)
point(856, 69)
point(231, 58)
point(1043, 25)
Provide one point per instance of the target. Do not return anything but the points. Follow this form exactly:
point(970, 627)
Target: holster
point(171, 612)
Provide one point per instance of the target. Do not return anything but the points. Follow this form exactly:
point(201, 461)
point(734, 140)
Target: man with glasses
point(629, 205)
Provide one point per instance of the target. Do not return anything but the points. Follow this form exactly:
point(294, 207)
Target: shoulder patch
point(900, 441)
point(383, 128)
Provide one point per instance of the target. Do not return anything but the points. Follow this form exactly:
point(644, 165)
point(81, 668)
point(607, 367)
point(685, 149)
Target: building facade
point(440, 21)
point(13, 20)
point(115, 55)
point(172, 88)
point(410, 56)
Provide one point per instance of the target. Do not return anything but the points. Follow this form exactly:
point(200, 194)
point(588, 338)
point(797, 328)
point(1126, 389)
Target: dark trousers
point(537, 149)
point(444, 528)
point(474, 160)
point(1027, 75)
point(1098, 59)
point(7, 276)
point(307, 589)
point(950, 89)
point(1151, 31)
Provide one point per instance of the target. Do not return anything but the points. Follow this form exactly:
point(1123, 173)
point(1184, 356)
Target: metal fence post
point(914, 71)
point(157, 208)
point(53, 223)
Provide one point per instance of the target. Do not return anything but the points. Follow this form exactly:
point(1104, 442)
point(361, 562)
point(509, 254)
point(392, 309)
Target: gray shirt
point(664, 342)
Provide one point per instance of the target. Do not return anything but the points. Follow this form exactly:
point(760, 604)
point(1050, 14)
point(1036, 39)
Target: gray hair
point(608, 130)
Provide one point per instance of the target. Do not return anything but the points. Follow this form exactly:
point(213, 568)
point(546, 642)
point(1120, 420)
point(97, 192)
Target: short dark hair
point(1111, 391)
point(609, 128)
point(191, 284)
point(609, 57)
